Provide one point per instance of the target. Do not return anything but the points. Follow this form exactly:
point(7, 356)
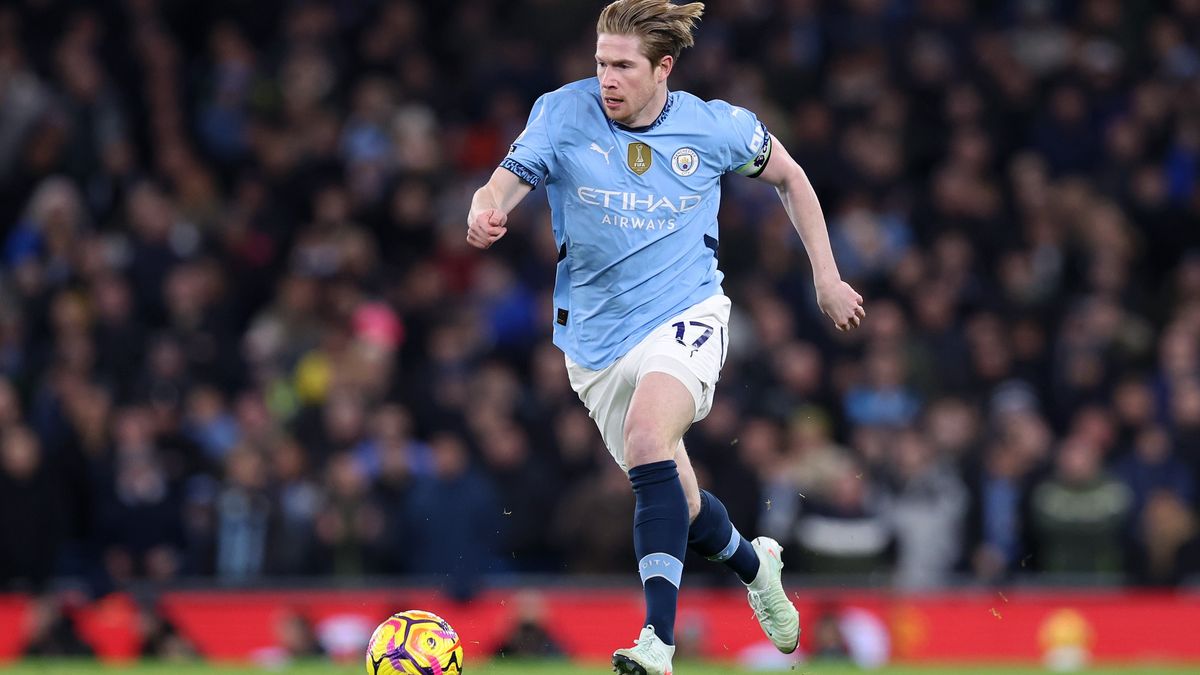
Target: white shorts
point(691, 347)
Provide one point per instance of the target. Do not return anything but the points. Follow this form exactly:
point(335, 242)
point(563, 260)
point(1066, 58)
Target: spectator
point(813, 462)
point(243, 517)
point(1172, 542)
point(29, 527)
point(1079, 512)
point(1152, 467)
point(297, 638)
point(10, 404)
point(604, 501)
point(349, 524)
point(297, 500)
point(528, 636)
point(139, 509)
point(522, 485)
point(53, 628)
point(453, 517)
point(1001, 485)
point(160, 637)
point(848, 531)
point(1185, 423)
point(208, 422)
point(927, 504)
point(953, 425)
point(883, 399)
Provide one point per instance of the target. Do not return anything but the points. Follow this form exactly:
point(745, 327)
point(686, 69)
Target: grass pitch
point(519, 667)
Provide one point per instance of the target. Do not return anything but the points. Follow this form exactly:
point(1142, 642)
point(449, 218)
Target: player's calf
point(713, 536)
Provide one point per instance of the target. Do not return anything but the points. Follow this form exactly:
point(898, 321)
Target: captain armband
point(762, 142)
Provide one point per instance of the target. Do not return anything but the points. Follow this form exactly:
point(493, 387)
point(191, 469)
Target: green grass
point(517, 667)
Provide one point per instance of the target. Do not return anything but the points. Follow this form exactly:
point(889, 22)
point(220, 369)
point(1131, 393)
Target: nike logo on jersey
point(597, 148)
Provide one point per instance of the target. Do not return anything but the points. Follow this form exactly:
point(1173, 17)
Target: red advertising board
point(14, 610)
point(1108, 627)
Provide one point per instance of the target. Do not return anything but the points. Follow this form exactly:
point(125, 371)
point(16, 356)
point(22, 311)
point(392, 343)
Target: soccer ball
point(414, 642)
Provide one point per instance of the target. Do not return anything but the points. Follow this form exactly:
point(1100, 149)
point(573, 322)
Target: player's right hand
point(486, 227)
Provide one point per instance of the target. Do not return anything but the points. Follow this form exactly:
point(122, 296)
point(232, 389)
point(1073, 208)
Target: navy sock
point(660, 527)
point(713, 536)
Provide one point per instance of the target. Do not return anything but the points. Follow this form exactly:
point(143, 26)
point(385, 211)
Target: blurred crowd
point(242, 335)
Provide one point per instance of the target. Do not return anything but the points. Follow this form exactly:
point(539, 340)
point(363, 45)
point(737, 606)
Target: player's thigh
point(662, 408)
point(693, 358)
point(690, 347)
point(677, 368)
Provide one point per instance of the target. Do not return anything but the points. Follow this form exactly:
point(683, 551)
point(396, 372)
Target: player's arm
point(488, 219)
point(837, 299)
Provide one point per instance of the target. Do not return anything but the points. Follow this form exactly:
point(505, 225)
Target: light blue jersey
point(634, 210)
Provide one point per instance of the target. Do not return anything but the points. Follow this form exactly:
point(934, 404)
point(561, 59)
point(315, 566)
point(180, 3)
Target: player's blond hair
point(664, 27)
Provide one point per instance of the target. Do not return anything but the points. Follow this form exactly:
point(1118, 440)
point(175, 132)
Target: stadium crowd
point(242, 335)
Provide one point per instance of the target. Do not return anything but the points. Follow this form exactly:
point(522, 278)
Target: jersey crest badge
point(685, 161)
point(639, 157)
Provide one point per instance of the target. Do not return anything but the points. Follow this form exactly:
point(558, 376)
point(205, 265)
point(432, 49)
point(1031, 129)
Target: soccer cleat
point(648, 656)
point(775, 613)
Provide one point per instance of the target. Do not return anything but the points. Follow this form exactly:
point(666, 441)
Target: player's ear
point(663, 69)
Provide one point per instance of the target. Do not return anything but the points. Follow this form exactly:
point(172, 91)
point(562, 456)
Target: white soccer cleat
point(648, 656)
point(775, 613)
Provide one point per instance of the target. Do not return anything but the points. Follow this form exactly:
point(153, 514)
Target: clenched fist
point(841, 303)
point(486, 227)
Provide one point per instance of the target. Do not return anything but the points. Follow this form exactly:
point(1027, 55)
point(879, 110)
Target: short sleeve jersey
point(634, 210)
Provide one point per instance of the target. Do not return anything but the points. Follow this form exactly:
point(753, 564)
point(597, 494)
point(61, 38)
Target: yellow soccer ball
point(414, 642)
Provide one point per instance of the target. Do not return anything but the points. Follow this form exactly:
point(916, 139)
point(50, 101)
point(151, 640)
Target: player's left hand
point(842, 304)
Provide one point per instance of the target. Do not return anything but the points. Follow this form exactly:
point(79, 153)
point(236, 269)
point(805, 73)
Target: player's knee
point(643, 446)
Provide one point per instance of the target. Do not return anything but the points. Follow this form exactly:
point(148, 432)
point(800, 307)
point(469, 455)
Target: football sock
point(713, 536)
point(660, 531)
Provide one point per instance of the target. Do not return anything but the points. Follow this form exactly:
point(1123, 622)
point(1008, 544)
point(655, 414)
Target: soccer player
point(632, 172)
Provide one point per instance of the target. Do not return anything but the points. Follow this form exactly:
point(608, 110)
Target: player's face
point(628, 81)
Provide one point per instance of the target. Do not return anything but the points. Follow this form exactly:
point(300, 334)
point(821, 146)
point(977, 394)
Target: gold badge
point(639, 157)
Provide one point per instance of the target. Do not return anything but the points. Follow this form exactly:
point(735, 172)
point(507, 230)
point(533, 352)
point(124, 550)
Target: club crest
point(685, 161)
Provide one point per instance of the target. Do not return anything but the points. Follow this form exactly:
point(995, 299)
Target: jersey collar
point(662, 116)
